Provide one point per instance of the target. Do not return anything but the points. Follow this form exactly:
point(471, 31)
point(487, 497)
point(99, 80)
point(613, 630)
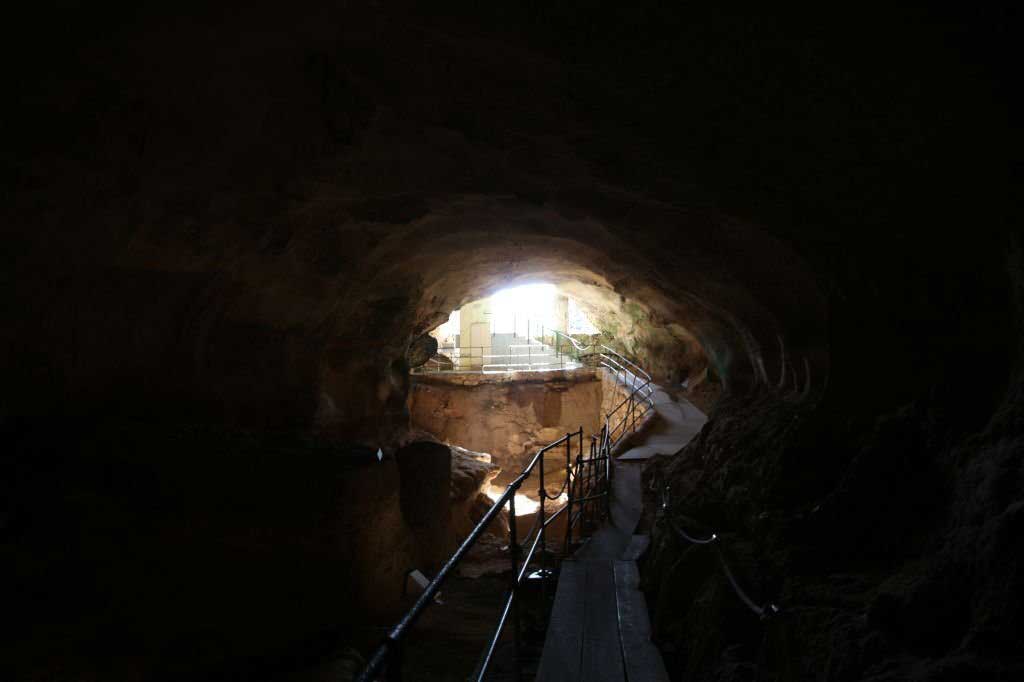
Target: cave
point(232, 233)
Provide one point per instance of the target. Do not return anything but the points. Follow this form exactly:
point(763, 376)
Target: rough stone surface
point(472, 473)
point(420, 350)
point(508, 417)
point(885, 541)
point(426, 482)
point(199, 533)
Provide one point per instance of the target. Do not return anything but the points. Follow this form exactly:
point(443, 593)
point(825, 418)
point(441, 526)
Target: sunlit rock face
point(509, 416)
point(472, 473)
point(241, 222)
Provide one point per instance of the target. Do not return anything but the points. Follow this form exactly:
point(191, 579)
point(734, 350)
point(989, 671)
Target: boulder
point(421, 349)
point(425, 470)
point(471, 476)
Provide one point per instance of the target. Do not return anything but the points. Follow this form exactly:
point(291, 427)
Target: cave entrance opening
point(512, 373)
point(527, 328)
point(506, 418)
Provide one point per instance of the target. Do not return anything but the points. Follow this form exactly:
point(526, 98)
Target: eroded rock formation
point(472, 473)
point(509, 417)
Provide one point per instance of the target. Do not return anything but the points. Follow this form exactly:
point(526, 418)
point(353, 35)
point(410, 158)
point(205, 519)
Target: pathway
point(599, 628)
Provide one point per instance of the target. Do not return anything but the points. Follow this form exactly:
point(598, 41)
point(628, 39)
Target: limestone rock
point(425, 469)
point(472, 473)
point(421, 349)
point(510, 417)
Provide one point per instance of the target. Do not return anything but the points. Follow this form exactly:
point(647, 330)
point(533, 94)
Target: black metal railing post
point(609, 465)
point(568, 490)
point(570, 484)
point(592, 485)
point(542, 495)
point(513, 552)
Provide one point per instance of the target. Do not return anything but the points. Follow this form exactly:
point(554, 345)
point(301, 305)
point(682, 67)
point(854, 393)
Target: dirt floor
point(450, 638)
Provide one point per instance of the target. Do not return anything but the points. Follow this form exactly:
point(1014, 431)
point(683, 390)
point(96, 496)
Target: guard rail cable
point(588, 482)
point(578, 347)
point(768, 613)
point(639, 399)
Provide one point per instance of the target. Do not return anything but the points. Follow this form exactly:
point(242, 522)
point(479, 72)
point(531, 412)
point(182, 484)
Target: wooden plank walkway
point(564, 641)
point(599, 629)
point(640, 657)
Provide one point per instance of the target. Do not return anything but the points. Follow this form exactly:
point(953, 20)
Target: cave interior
point(231, 228)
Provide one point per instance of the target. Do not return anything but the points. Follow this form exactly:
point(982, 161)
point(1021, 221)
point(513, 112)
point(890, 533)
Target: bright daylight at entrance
point(532, 327)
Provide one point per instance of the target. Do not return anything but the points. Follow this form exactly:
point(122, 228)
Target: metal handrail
point(770, 614)
point(587, 480)
point(474, 359)
point(579, 347)
point(533, 338)
point(612, 363)
point(388, 653)
point(639, 395)
point(768, 610)
point(627, 361)
point(576, 344)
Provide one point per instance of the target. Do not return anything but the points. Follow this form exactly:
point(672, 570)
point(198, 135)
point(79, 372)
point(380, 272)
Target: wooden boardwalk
point(599, 629)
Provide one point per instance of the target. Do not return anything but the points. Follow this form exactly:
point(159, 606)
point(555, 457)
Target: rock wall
point(237, 549)
point(426, 482)
point(472, 473)
point(220, 549)
point(510, 418)
point(890, 538)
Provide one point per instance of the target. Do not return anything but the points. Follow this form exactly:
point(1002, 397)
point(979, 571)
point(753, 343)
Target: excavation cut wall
point(509, 416)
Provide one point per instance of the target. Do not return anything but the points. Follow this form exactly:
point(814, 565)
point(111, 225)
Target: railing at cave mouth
point(541, 349)
point(631, 411)
point(587, 485)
